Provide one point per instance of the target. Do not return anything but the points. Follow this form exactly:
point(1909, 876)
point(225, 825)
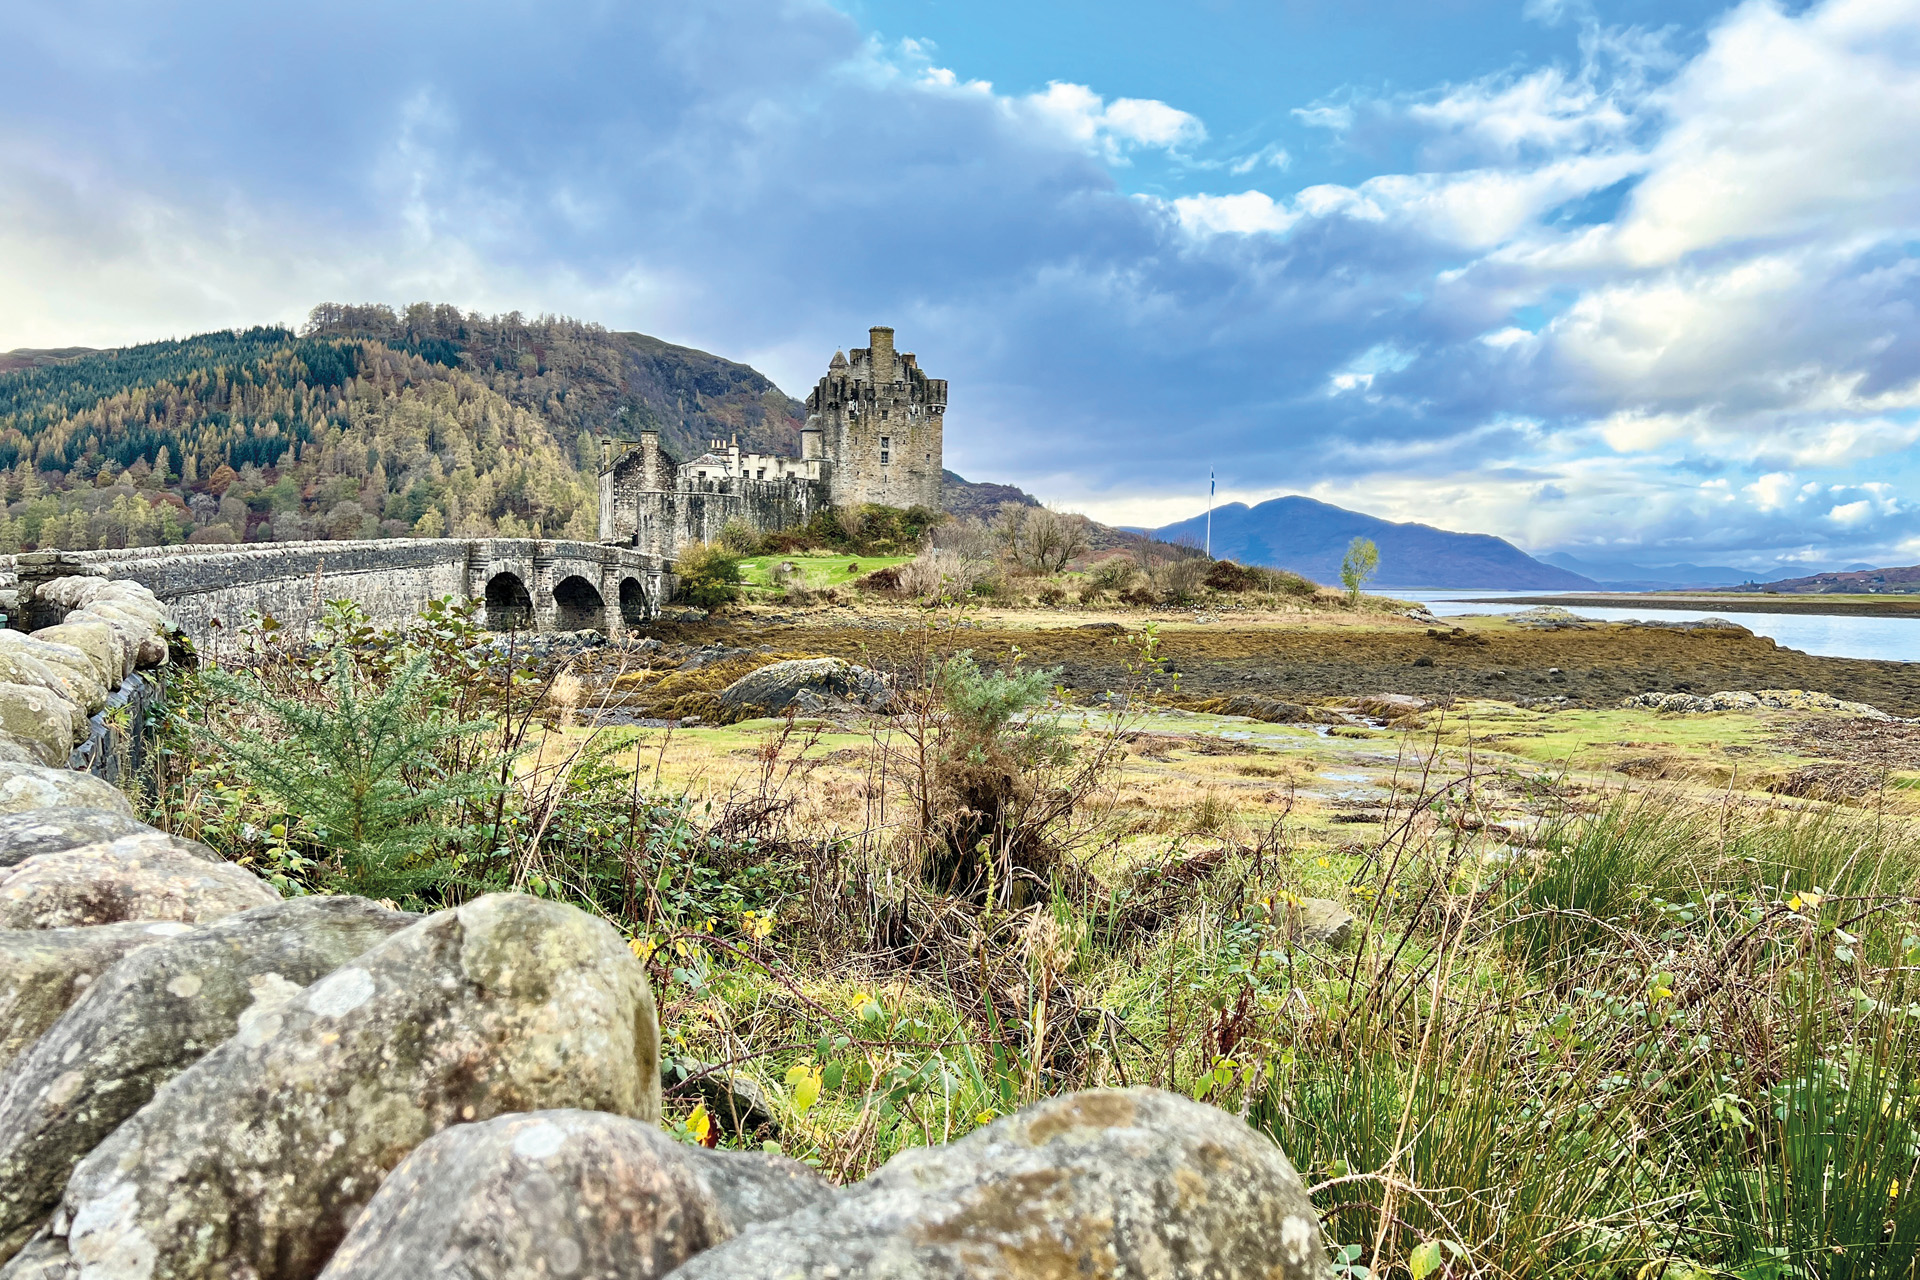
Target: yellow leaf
point(1794, 903)
point(699, 1124)
point(804, 1082)
point(642, 947)
point(988, 1117)
point(1663, 993)
point(1893, 1189)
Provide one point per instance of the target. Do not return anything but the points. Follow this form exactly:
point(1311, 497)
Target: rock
point(146, 1019)
point(24, 660)
point(1271, 710)
point(1105, 628)
point(139, 877)
point(1324, 922)
point(564, 1194)
point(737, 1105)
point(42, 721)
point(98, 641)
point(1133, 1183)
point(252, 1163)
point(22, 835)
point(811, 685)
point(32, 786)
point(42, 971)
point(1391, 706)
point(1549, 617)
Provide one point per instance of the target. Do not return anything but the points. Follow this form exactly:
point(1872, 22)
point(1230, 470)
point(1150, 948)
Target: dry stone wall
point(200, 1081)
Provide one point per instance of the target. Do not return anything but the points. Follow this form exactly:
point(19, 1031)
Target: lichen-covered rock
point(138, 877)
point(1323, 921)
point(43, 971)
point(60, 660)
point(42, 721)
point(251, 1163)
point(22, 835)
point(575, 1194)
point(146, 1019)
point(136, 620)
point(1103, 1185)
point(34, 786)
point(28, 661)
point(102, 646)
point(809, 685)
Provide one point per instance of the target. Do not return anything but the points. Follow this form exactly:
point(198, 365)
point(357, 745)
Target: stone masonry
point(873, 435)
point(527, 583)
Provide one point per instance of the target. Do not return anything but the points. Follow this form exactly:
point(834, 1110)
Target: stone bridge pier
point(527, 584)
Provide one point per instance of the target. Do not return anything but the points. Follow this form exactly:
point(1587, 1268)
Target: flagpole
point(1209, 513)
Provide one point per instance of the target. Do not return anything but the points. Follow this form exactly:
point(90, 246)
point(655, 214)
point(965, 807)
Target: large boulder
point(1132, 1183)
point(564, 1194)
point(149, 1017)
point(20, 665)
point(138, 877)
point(808, 685)
point(26, 786)
point(63, 663)
point(252, 1163)
point(43, 971)
point(112, 660)
point(46, 723)
point(36, 831)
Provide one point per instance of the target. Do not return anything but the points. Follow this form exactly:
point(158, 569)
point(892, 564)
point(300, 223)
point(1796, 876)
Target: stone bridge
point(527, 583)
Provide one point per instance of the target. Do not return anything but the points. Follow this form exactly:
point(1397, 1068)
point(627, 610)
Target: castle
point(872, 435)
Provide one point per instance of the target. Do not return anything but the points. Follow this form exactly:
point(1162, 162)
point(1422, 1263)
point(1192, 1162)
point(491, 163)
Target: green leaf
point(1425, 1260)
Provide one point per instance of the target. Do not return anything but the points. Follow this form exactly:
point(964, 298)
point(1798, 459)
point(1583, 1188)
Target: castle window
point(886, 447)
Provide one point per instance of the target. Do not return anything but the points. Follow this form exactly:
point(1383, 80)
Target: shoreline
point(1831, 606)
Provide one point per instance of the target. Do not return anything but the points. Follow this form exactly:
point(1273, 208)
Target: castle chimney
point(881, 338)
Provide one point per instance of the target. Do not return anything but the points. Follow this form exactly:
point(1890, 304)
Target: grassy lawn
point(817, 572)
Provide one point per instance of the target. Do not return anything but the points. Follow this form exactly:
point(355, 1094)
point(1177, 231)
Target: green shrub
point(364, 773)
point(709, 575)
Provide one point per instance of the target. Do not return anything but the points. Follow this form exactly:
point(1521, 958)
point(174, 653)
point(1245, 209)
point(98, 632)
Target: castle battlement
point(873, 434)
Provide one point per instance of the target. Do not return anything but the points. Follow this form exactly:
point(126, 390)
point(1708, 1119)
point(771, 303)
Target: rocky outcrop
point(132, 878)
point(22, 835)
point(25, 786)
point(564, 1193)
point(253, 1162)
point(43, 971)
point(1132, 1183)
point(151, 1015)
point(811, 686)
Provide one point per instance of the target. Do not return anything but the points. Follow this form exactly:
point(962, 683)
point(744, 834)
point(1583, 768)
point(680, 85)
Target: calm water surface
point(1891, 639)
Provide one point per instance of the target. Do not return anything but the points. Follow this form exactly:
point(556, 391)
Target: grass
point(816, 572)
point(1590, 1026)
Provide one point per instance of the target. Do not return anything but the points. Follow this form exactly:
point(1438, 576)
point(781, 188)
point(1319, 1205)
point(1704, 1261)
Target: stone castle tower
point(875, 419)
point(873, 434)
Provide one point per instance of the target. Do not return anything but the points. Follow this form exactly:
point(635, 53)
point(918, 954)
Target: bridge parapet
point(528, 583)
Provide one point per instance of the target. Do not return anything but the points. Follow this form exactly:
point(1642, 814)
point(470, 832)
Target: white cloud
point(1111, 128)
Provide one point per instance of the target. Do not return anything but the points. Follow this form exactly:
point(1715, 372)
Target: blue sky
point(1633, 280)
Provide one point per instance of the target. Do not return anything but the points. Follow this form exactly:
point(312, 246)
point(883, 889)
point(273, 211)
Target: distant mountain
point(1903, 581)
point(1640, 577)
point(1310, 538)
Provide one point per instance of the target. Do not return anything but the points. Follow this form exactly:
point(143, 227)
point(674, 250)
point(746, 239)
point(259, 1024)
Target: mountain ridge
point(1310, 537)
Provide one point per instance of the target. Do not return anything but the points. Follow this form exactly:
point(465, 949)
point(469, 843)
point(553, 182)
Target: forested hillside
point(368, 423)
point(263, 434)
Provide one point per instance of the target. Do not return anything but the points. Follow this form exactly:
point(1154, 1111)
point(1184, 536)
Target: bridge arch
point(633, 602)
point(509, 603)
point(578, 605)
